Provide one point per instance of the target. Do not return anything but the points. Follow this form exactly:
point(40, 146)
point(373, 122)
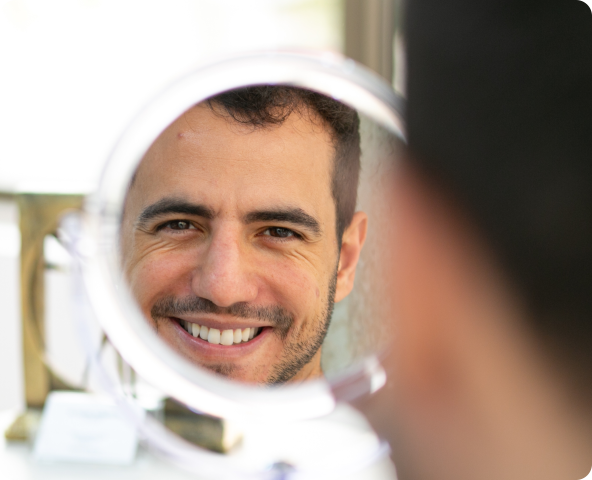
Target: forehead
point(209, 158)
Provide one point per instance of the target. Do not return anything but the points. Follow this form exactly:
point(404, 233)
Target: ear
point(351, 246)
point(440, 280)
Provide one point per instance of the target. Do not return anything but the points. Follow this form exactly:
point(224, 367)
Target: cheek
point(157, 275)
point(298, 290)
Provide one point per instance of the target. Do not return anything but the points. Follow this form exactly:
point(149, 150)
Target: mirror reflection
point(242, 230)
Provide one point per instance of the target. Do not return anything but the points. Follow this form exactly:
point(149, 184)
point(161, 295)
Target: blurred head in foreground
point(491, 374)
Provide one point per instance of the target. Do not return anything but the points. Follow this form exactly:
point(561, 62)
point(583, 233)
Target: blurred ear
point(351, 246)
point(436, 284)
point(448, 291)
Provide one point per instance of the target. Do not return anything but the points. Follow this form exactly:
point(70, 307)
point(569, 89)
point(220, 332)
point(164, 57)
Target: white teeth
point(217, 337)
point(245, 334)
point(227, 337)
point(214, 336)
point(203, 333)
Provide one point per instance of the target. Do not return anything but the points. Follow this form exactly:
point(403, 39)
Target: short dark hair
point(499, 114)
point(266, 105)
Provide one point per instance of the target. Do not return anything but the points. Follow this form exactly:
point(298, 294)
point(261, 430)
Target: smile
point(220, 337)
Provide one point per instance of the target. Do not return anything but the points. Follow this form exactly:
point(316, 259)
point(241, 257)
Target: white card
point(83, 427)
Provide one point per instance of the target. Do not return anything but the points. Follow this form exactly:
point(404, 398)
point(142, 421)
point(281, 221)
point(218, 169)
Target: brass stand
point(39, 217)
point(205, 431)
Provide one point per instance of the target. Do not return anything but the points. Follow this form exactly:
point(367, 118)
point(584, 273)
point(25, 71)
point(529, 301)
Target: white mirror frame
point(118, 314)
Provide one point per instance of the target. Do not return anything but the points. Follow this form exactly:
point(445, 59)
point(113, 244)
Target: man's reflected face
point(229, 243)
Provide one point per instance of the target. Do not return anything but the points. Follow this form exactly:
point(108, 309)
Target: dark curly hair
point(265, 105)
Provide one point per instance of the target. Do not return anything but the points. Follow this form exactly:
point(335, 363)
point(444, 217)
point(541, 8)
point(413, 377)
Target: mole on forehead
point(186, 124)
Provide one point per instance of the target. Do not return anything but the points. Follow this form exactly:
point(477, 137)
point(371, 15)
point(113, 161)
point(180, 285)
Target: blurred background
point(73, 74)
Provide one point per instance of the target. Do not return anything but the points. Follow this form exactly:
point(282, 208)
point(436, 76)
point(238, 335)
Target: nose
point(223, 275)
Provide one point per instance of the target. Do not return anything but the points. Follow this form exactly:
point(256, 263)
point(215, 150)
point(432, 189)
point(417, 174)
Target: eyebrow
point(165, 206)
point(173, 205)
point(295, 216)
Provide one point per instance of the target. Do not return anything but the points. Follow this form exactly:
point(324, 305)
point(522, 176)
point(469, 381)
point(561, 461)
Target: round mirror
point(233, 251)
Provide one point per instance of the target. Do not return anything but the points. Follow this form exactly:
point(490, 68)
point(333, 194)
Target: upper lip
point(230, 324)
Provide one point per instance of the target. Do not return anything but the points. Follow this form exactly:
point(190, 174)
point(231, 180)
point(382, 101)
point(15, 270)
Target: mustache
point(171, 306)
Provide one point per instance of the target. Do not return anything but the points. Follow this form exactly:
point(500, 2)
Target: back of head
point(499, 115)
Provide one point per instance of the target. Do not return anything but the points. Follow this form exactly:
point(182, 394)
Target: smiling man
point(240, 232)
